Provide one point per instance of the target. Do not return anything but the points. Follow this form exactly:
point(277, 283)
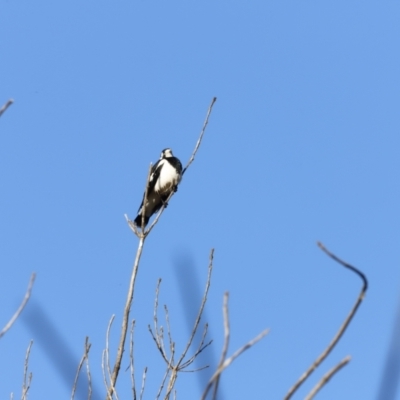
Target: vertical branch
point(226, 341)
point(131, 363)
point(125, 319)
point(342, 329)
point(89, 377)
point(27, 378)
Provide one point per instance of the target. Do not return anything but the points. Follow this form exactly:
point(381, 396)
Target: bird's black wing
point(154, 175)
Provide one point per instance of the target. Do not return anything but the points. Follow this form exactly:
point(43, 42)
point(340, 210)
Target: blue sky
point(303, 145)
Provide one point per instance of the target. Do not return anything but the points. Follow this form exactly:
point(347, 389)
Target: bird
point(165, 176)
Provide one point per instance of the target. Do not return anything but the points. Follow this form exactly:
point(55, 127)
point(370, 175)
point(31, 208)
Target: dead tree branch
point(342, 329)
point(21, 307)
point(142, 236)
point(324, 380)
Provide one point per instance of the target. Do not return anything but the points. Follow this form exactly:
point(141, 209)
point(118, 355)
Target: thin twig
point(103, 369)
point(21, 307)
point(341, 330)
point(324, 380)
point(89, 376)
point(84, 357)
point(171, 343)
point(131, 364)
point(201, 135)
point(226, 341)
point(27, 378)
point(4, 108)
point(155, 312)
point(107, 346)
point(143, 383)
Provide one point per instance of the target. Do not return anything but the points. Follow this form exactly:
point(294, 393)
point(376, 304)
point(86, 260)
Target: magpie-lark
point(165, 176)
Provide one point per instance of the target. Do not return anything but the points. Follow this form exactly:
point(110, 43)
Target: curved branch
point(341, 330)
point(21, 307)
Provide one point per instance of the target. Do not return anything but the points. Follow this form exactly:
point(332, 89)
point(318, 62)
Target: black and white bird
point(165, 176)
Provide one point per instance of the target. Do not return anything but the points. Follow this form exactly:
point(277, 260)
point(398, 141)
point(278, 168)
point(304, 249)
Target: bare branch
point(89, 377)
point(226, 341)
point(125, 319)
point(111, 389)
point(4, 108)
point(143, 383)
point(171, 343)
point(84, 357)
point(103, 369)
point(131, 363)
point(225, 363)
point(342, 329)
point(142, 236)
point(327, 377)
point(27, 379)
point(21, 307)
point(201, 135)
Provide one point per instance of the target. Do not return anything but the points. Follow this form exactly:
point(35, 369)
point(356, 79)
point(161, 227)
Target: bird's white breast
point(168, 177)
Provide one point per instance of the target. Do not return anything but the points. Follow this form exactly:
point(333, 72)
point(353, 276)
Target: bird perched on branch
point(165, 176)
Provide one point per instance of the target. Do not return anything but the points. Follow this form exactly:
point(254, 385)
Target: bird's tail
point(138, 220)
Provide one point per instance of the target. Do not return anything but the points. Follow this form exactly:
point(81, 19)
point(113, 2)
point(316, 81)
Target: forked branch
point(324, 380)
point(342, 329)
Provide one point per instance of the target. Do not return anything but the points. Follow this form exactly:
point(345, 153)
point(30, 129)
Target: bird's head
point(166, 153)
